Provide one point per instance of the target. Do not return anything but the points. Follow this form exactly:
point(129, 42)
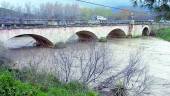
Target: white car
point(101, 18)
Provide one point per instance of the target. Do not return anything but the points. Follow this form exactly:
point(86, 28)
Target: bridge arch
point(145, 31)
point(40, 40)
point(116, 33)
point(86, 36)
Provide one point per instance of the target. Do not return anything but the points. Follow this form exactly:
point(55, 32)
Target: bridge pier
point(131, 26)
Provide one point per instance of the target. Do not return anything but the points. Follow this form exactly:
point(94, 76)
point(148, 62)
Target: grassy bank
point(10, 85)
point(163, 34)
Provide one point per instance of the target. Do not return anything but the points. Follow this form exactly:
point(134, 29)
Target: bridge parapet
point(45, 23)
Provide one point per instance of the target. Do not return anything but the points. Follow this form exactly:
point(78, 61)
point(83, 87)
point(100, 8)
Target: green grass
point(10, 86)
point(163, 34)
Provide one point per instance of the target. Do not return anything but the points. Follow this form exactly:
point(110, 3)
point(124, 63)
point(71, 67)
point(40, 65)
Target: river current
point(155, 54)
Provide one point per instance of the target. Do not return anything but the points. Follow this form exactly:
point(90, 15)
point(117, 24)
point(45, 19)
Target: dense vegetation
point(164, 34)
point(10, 85)
point(160, 7)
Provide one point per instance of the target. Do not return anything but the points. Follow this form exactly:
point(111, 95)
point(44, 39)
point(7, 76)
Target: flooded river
point(155, 54)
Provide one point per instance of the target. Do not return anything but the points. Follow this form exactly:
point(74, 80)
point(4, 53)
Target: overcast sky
point(106, 2)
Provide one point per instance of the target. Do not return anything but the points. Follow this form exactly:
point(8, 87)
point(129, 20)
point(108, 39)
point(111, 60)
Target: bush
point(65, 92)
point(58, 92)
point(119, 90)
point(60, 45)
point(11, 87)
point(75, 86)
point(90, 93)
point(43, 79)
point(164, 34)
point(102, 39)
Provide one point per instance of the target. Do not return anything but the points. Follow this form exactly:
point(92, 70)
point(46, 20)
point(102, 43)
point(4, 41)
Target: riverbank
point(163, 34)
point(31, 82)
point(18, 83)
point(154, 52)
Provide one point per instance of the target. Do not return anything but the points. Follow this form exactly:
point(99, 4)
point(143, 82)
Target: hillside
point(10, 14)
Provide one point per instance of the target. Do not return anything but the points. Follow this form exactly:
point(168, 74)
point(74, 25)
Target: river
point(155, 53)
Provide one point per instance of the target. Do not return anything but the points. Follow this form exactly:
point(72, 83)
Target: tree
point(161, 7)
point(6, 5)
point(28, 8)
point(4, 60)
point(121, 15)
point(88, 13)
point(133, 80)
point(103, 12)
point(86, 65)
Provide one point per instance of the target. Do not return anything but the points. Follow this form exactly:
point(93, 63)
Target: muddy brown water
point(155, 53)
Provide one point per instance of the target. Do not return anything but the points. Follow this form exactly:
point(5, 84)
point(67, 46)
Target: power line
point(107, 6)
point(100, 4)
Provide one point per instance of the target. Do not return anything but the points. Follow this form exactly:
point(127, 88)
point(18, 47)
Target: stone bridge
point(48, 37)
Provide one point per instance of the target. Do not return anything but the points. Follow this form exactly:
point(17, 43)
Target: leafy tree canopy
point(161, 7)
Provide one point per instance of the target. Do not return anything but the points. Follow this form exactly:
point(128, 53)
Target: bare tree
point(6, 5)
point(94, 64)
point(4, 60)
point(65, 63)
point(133, 80)
point(85, 65)
point(58, 11)
point(34, 67)
point(28, 8)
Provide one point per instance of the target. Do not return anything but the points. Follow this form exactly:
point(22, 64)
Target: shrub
point(11, 87)
point(75, 86)
point(7, 86)
point(43, 79)
point(119, 90)
point(92, 93)
point(58, 92)
point(102, 39)
point(65, 92)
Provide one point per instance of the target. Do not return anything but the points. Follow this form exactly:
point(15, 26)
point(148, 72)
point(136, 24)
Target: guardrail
point(41, 23)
